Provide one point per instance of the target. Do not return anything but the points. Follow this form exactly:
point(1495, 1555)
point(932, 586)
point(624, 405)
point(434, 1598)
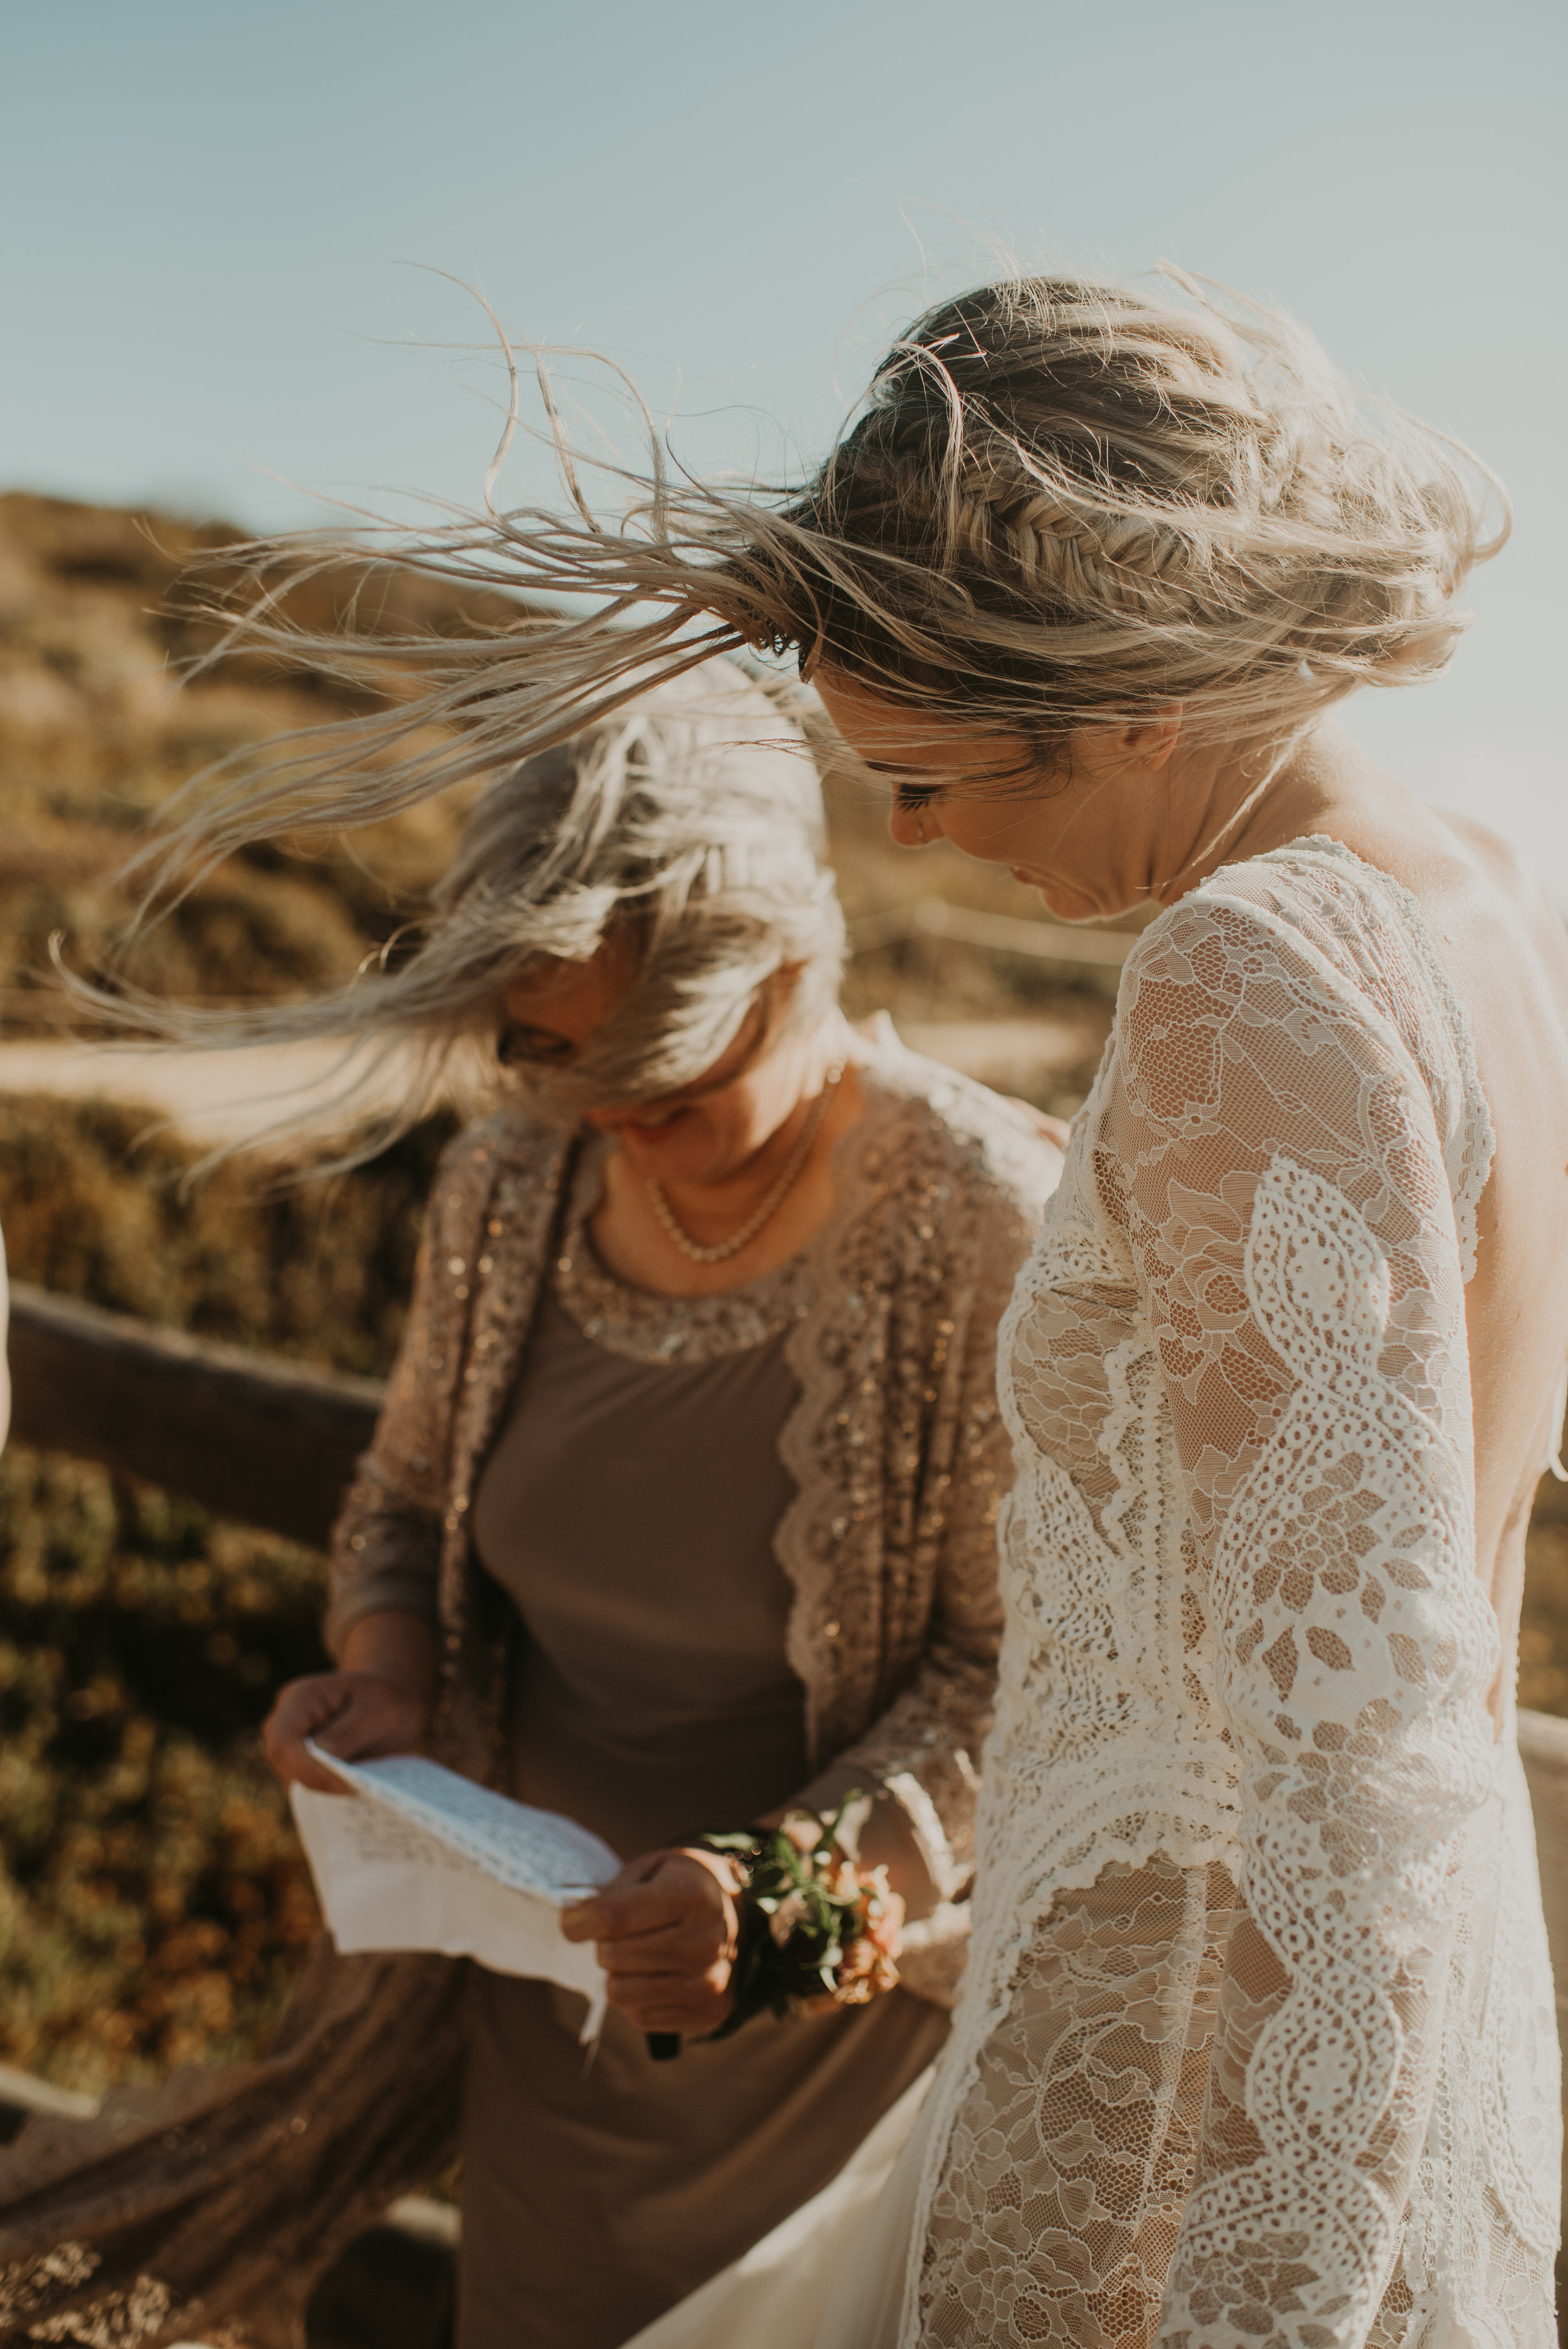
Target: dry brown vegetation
point(153, 1903)
point(96, 731)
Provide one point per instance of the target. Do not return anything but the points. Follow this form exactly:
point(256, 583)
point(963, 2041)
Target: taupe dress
point(628, 1509)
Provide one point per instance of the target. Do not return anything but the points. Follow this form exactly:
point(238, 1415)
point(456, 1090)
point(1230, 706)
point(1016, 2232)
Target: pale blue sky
point(209, 209)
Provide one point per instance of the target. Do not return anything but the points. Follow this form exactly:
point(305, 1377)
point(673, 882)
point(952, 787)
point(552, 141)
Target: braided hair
point(1069, 503)
point(1064, 504)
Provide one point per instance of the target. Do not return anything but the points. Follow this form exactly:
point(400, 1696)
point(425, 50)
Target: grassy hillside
point(94, 736)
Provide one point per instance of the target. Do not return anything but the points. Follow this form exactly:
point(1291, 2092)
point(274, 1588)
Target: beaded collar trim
point(647, 1328)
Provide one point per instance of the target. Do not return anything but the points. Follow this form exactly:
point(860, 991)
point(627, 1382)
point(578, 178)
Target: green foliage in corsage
point(816, 1930)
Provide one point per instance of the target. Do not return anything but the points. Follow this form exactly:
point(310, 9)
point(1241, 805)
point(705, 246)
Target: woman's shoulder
point(1312, 918)
point(1318, 973)
point(956, 1130)
point(505, 1148)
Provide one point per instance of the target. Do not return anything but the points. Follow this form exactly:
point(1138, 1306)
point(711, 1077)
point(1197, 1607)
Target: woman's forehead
point(898, 734)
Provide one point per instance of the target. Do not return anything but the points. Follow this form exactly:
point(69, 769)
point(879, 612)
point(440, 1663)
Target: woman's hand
point(666, 1932)
point(354, 1714)
point(378, 1701)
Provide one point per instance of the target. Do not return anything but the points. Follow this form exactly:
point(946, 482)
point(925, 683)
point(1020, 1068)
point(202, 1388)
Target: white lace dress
point(1256, 2043)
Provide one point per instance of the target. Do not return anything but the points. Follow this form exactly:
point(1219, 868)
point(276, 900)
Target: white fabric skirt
point(830, 2276)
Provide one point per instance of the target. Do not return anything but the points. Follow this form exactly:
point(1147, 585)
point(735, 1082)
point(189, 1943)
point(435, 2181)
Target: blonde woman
point(1257, 2035)
point(680, 1515)
point(1256, 2038)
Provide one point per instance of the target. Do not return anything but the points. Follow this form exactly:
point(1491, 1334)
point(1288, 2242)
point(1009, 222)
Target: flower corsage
point(815, 1929)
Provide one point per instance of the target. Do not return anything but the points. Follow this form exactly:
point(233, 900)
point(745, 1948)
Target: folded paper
point(417, 1857)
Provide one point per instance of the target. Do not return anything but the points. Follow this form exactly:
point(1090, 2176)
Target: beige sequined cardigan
point(895, 1445)
point(205, 2208)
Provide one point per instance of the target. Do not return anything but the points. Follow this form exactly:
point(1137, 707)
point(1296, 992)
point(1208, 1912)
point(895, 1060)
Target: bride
point(1256, 2043)
point(1256, 2040)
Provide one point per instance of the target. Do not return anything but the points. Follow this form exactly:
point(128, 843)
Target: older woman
point(680, 1513)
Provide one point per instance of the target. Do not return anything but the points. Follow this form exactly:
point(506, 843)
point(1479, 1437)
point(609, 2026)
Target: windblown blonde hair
point(1065, 505)
point(687, 831)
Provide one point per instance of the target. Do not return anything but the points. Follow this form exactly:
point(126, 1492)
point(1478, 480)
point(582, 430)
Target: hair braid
point(1064, 504)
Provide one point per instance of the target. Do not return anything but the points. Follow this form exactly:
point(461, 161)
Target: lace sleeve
point(1272, 1152)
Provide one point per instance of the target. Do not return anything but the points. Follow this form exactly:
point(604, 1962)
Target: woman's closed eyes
point(518, 1047)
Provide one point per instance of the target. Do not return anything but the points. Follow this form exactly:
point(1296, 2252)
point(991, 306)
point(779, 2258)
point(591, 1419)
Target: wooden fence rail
point(248, 1435)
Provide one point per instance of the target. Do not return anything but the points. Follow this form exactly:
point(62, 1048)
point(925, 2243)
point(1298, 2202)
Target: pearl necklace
point(770, 1205)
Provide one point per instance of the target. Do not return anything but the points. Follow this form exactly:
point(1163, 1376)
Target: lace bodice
point(1256, 2044)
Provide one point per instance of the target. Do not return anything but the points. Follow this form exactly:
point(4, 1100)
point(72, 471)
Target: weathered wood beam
point(268, 1441)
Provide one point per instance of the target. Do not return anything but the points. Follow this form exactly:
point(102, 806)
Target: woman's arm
point(919, 1759)
point(1274, 1156)
point(387, 1543)
point(386, 1556)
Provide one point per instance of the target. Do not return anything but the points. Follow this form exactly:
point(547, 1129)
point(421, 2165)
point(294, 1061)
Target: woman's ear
point(1155, 741)
point(1107, 751)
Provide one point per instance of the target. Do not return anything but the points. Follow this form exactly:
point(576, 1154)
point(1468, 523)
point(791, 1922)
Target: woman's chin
point(675, 1153)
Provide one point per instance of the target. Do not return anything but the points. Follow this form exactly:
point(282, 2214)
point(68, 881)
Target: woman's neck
point(1226, 807)
point(711, 1208)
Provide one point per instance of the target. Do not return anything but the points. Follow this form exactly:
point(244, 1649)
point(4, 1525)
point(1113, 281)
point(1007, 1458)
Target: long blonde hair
point(1064, 504)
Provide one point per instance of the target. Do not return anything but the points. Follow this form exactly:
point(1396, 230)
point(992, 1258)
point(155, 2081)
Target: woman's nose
point(907, 824)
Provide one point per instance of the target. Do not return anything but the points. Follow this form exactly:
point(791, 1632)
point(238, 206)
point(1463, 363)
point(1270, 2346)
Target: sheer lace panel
point(1073, 2153)
point(1247, 1647)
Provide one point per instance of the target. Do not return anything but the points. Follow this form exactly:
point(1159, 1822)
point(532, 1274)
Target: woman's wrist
point(397, 1646)
point(814, 1930)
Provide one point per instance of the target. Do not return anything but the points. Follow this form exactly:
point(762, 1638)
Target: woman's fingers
point(304, 1709)
point(348, 1713)
point(682, 1943)
point(665, 1936)
point(617, 1915)
point(677, 1949)
point(660, 1893)
point(303, 1769)
point(668, 2002)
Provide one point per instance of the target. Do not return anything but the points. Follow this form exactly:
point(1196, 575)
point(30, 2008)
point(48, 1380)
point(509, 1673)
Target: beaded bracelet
point(815, 1931)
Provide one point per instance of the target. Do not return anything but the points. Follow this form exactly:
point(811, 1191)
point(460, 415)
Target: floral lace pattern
point(1256, 2045)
